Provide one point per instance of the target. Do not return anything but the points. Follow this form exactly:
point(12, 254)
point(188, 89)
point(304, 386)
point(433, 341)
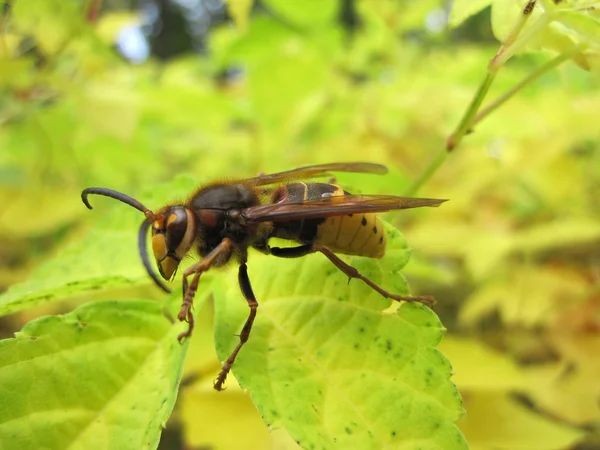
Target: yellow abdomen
point(353, 234)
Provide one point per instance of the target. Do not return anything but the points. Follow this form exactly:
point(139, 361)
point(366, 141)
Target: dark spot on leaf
point(271, 349)
point(393, 433)
point(363, 222)
point(381, 240)
point(388, 344)
point(274, 413)
point(430, 372)
point(32, 338)
point(361, 330)
point(348, 430)
point(374, 230)
point(356, 346)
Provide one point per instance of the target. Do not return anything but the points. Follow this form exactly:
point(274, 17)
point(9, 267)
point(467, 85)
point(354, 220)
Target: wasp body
point(351, 234)
point(223, 220)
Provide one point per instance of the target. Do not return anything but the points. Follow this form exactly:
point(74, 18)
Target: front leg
point(218, 254)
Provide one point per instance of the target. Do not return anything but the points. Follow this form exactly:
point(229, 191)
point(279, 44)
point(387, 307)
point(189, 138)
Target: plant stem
point(526, 81)
point(511, 44)
point(466, 122)
point(499, 58)
point(435, 164)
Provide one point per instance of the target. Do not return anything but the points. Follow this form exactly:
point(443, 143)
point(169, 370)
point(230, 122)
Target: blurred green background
point(132, 95)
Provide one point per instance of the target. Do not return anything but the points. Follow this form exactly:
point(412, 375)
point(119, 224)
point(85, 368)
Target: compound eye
point(177, 222)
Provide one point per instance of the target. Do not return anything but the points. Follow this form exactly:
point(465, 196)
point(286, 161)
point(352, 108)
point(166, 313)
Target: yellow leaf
point(37, 211)
point(110, 109)
point(527, 296)
point(208, 421)
point(570, 389)
point(484, 251)
point(568, 393)
point(494, 421)
point(559, 233)
point(477, 367)
point(110, 25)
point(240, 10)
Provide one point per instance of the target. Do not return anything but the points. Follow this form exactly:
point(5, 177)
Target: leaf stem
point(526, 81)
point(434, 165)
point(514, 42)
point(500, 57)
point(464, 126)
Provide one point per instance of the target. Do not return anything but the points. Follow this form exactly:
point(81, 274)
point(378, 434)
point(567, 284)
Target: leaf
point(505, 13)
point(463, 9)
point(569, 390)
point(484, 251)
point(497, 422)
point(110, 109)
point(559, 233)
point(106, 372)
point(324, 362)
point(480, 368)
point(51, 22)
point(533, 295)
point(240, 10)
point(308, 13)
point(107, 258)
point(52, 211)
point(111, 25)
point(208, 423)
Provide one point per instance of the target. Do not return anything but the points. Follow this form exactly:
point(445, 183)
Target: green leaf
point(505, 13)
point(240, 10)
point(51, 22)
point(307, 13)
point(107, 258)
point(463, 9)
point(107, 372)
point(324, 362)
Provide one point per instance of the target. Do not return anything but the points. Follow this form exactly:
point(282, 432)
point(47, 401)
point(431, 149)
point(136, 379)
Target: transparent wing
point(320, 170)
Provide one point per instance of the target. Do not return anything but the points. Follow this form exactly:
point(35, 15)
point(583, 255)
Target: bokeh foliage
point(512, 258)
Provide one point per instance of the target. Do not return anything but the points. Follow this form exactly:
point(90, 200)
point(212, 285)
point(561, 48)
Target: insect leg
point(246, 288)
point(292, 252)
point(223, 250)
point(351, 272)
